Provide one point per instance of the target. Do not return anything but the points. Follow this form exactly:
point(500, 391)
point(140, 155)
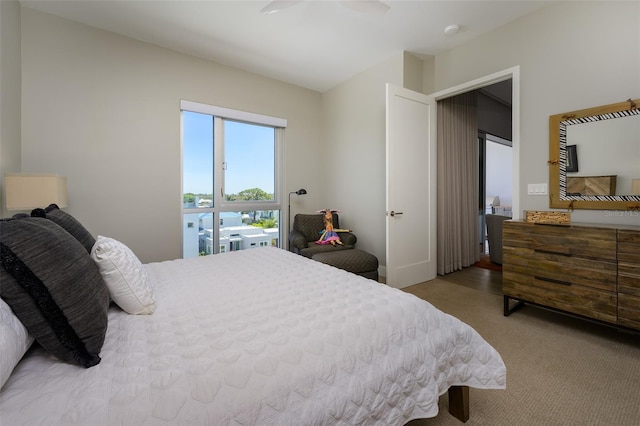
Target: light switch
point(530, 189)
point(537, 189)
point(543, 189)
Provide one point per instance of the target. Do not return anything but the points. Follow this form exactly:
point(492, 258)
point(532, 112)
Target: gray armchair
point(306, 231)
point(494, 236)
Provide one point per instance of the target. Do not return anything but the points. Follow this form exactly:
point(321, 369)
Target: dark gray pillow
point(54, 287)
point(71, 225)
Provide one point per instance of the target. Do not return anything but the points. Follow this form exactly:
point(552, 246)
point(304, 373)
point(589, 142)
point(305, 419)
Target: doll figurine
point(329, 235)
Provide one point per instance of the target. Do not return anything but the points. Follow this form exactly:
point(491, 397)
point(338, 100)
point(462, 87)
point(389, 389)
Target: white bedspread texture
point(259, 337)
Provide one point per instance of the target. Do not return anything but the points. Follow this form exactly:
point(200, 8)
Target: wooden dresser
point(629, 278)
point(589, 270)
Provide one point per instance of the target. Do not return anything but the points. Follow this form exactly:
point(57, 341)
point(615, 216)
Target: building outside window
point(231, 175)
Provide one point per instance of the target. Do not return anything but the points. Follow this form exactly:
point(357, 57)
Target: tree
point(266, 223)
point(253, 194)
point(188, 198)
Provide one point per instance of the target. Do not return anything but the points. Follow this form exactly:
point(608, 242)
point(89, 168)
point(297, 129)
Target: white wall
point(354, 146)
point(571, 56)
point(10, 82)
point(103, 110)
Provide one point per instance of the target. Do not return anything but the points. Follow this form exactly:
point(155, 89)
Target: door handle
point(392, 213)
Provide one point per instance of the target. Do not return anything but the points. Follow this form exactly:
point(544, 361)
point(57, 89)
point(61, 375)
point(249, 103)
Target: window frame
point(220, 205)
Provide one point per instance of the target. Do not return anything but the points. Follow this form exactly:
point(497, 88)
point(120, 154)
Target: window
point(230, 177)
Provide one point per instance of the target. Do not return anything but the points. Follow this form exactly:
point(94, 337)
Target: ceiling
point(314, 44)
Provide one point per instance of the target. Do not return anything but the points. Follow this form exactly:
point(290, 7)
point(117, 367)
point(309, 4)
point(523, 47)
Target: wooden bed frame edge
point(459, 402)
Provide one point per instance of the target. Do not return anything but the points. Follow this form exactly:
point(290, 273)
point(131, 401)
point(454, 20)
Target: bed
point(252, 337)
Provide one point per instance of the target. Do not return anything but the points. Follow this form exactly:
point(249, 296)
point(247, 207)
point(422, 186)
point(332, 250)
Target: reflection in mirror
point(607, 149)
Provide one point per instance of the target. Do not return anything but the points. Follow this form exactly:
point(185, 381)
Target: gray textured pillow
point(71, 225)
point(54, 287)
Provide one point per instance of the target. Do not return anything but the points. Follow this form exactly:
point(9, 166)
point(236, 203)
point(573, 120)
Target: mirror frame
point(558, 123)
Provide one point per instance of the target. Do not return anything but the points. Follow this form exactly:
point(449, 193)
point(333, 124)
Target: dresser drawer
point(565, 269)
point(577, 299)
point(629, 310)
point(582, 241)
point(629, 246)
point(629, 262)
point(629, 279)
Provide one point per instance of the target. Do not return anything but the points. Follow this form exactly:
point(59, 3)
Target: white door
point(411, 187)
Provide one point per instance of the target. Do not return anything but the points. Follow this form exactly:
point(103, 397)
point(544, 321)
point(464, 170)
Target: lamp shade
point(635, 186)
point(25, 191)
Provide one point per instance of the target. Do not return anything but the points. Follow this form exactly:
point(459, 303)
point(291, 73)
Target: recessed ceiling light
point(452, 29)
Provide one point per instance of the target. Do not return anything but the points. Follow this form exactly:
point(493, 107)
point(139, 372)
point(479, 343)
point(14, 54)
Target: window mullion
point(218, 177)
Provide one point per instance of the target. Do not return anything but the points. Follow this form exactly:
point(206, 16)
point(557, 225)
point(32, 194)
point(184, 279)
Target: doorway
point(510, 78)
point(495, 157)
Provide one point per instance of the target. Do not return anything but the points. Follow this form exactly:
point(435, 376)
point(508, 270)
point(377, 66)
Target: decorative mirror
point(594, 158)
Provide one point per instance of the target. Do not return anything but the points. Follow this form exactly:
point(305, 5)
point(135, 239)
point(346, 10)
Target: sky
point(249, 154)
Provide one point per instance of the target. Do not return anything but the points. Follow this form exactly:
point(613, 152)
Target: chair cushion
point(311, 225)
point(313, 249)
point(306, 231)
point(356, 261)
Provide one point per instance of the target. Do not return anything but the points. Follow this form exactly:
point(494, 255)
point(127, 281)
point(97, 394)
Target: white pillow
point(123, 273)
point(14, 341)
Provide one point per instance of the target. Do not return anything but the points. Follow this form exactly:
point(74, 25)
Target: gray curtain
point(458, 205)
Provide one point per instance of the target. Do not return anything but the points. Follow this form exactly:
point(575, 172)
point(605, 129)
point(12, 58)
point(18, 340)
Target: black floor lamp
point(300, 191)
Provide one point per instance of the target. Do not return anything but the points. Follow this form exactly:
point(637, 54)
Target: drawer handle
point(552, 280)
point(546, 251)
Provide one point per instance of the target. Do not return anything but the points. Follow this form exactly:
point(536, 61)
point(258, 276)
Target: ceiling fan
point(364, 6)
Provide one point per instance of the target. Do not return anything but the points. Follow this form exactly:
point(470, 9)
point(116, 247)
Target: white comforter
point(259, 336)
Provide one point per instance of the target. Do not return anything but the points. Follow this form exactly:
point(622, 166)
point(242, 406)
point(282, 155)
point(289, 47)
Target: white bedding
point(259, 336)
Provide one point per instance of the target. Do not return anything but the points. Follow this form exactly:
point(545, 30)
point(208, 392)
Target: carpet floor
point(560, 370)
